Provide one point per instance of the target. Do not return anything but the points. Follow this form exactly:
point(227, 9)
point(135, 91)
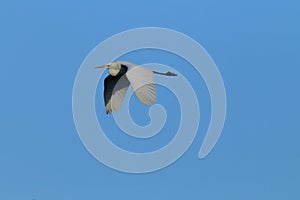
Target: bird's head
point(114, 68)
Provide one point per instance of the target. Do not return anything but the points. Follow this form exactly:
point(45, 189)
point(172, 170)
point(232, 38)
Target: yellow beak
point(104, 66)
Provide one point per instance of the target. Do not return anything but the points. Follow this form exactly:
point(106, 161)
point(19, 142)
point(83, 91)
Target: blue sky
point(256, 46)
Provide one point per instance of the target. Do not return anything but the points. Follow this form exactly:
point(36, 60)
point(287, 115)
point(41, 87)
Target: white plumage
point(123, 74)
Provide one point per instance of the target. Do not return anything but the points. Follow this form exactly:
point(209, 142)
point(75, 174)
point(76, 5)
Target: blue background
point(256, 47)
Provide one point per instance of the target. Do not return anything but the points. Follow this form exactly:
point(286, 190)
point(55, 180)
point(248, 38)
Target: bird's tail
point(165, 74)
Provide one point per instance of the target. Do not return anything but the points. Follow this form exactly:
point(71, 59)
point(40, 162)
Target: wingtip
point(108, 112)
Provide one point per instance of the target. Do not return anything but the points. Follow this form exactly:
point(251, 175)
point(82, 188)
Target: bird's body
point(123, 74)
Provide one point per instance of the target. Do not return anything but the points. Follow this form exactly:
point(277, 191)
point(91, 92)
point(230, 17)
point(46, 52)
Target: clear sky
point(256, 45)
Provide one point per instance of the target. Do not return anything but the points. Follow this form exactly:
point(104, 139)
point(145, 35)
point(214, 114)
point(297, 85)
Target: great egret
point(123, 74)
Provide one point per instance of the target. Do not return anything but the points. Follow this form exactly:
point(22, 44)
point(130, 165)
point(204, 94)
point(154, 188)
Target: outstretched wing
point(115, 88)
point(142, 82)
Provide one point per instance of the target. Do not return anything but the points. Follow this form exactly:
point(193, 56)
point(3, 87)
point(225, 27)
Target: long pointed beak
point(104, 66)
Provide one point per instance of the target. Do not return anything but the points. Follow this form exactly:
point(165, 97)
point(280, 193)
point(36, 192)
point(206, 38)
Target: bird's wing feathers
point(115, 88)
point(142, 82)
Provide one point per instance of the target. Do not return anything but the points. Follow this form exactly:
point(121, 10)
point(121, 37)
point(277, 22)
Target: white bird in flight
point(123, 74)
